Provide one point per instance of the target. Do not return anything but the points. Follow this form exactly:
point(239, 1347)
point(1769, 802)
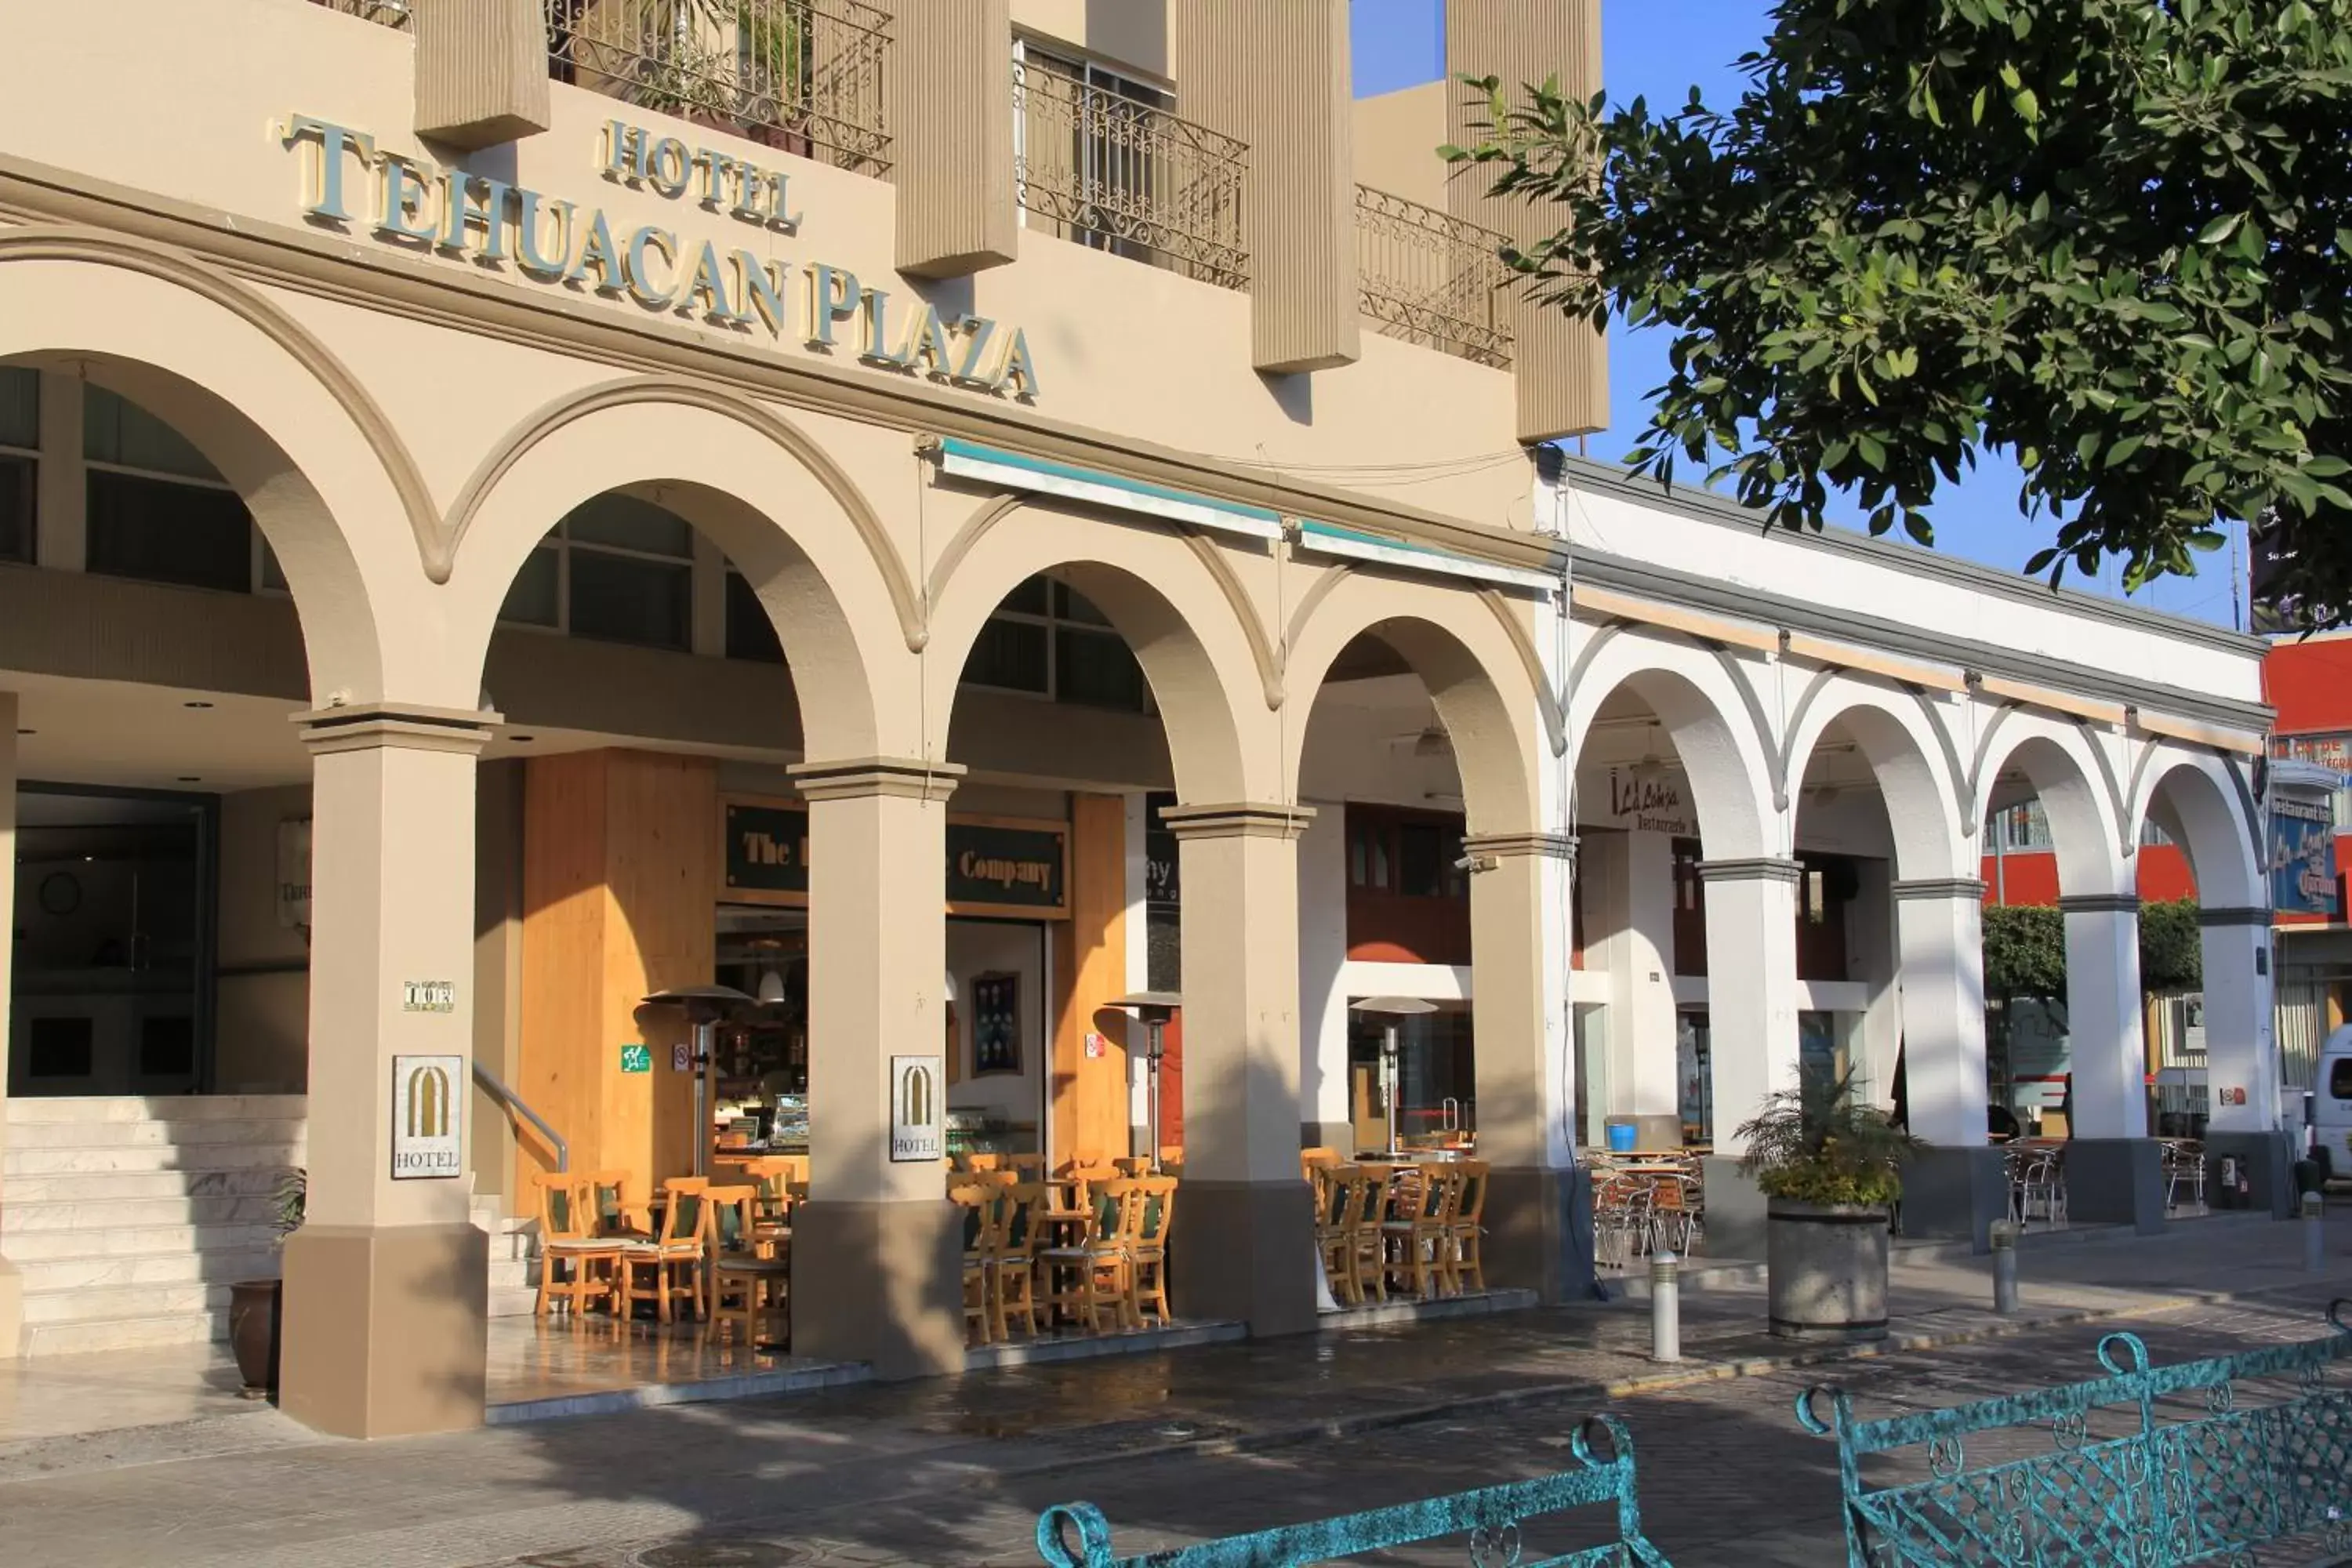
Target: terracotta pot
point(253, 1315)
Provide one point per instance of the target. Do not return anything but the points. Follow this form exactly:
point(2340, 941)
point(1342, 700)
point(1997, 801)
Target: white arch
point(1705, 710)
point(2194, 798)
point(2073, 781)
point(1910, 756)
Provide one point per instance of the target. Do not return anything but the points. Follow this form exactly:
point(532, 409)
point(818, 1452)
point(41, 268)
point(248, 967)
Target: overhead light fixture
point(771, 987)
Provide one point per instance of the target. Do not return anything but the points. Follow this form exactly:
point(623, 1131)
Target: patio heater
point(1390, 1009)
point(1155, 1008)
point(704, 1006)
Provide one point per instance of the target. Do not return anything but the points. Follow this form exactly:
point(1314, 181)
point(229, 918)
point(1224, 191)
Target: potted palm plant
point(1831, 1168)
point(255, 1306)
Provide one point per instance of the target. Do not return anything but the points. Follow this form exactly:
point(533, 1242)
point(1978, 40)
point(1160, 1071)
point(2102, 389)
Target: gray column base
point(880, 1283)
point(1735, 1212)
point(2116, 1181)
point(1538, 1224)
point(386, 1329)
point(1954, 1194)
point(1340, 1135)
point(2269, 1159)
point(1243, 1251)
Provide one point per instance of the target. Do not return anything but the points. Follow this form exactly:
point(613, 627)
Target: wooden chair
point(1320, 1158)
point(982, 1161)
point(1340, 1192)
point(1147, 1277)
point(772, 1174)
point(1012, 1266)
point(1031, 1167)
point(1419, 1234)
point(1132, 1165)
point(1084, 1278)
point(575, 1263)
point(1465, 1254)
point(673, 1257)
point(610, 1211)
point(983, 1237)
point(749, 1281)
point(1368, 1257)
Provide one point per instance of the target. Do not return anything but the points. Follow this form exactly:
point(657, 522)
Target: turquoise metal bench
point(2204, 1479)
point(1076, 1535)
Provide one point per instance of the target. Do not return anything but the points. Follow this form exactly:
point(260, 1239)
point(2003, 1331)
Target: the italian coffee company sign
point(428, 1117)
point(353, 185)
point(917, 1109)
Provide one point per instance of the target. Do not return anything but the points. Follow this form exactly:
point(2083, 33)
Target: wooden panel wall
point(619, 870)
point(1087, 1095)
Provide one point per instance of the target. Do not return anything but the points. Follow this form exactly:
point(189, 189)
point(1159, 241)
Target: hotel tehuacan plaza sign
point(356, 186)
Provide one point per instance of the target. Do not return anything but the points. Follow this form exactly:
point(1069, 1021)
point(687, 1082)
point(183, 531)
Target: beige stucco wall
point(1130, 33)
point(262, 1039)
point(1397, 137)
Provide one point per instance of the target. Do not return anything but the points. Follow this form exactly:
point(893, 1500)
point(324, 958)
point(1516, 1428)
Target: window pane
point(20, 407)
point(1029, 599)
point(2339, 1079)
point(641, 601)
point(167, 1048)
point(1008, 654)
point(17, 509)
point(1072, 605)
point(1097, 668)
point(1421, 865)
point(116, 430)
point(628, 523)
point(532, 601)
point(749, 633)
point(60, 1048)
point(168, 532)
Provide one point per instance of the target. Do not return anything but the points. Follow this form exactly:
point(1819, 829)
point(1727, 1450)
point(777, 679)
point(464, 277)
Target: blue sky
point(1659, 49)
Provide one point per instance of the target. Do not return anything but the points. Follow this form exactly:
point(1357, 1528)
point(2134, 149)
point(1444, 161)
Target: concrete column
point(1956, 1187)
point(1526, 1076)
point(2113, 1167)
point(1246, 1204)
point(386, 1282)
point(1326, 1119)
point(1752, 988)
point(481, 71)
point(2241, 1057)
point(951, 137)
point(1872, 958)
point(1642, 985)
point(876, 1250)
point(12, 1284)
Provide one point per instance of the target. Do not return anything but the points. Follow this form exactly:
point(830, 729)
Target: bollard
point(2004, 1267)
point(2314, 1235)
point(1666, 1307)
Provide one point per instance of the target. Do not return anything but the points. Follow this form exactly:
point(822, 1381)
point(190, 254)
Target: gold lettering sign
point(353, 185)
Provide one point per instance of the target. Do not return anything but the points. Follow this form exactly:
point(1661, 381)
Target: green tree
point(2025, 951)
point(2110, 237)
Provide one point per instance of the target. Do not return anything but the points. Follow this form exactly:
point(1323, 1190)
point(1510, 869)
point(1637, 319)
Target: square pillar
point(1751, 990)
point(877, 1248)
point(1956, 1187)
point(12, 1284)
point(951, 137)
point(1245, 1243)
point(2240, 1061)
point(481, 71)
point(2103, 1017)
point(1642, 986)
point(1518, 949)
point(1326, 1107)
point(386, 1283)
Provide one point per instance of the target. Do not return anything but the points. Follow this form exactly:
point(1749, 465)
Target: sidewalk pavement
point(1192, 1443)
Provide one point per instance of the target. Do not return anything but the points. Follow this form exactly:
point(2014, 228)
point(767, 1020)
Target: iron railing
point(2151, 1467)
point(1119, 175)
point(1428, 278)
point(803, 76)
point(518, 1109)
point(389, 12)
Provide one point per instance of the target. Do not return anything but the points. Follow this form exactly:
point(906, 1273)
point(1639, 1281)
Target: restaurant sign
point(353, 185)
point(998, 865)
point(428, 1117)
point(1650, 800)
point(2303, 856)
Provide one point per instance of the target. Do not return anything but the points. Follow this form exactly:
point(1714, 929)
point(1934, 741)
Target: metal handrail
point(1433, 279)
point(384, 13)
point(489, 1084)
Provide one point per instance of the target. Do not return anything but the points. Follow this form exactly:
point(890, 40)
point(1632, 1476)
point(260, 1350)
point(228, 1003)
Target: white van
point(2331, 1102)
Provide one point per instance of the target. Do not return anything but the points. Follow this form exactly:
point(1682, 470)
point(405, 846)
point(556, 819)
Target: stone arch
point(1909, 757)
point(1466, 659)
point(799, 534)
point(1698, 698)
point(327, 480)
point(2194, 798)
point(2067, 775)
point(1179, 617)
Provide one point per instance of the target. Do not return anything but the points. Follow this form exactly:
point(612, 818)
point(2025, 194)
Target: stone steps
point(92, 1336)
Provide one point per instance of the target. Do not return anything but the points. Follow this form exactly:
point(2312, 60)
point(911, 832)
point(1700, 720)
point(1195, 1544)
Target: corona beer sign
point(917, 1115)
point(428, 1117)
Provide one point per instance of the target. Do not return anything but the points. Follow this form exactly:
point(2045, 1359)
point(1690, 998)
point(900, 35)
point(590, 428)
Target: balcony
point(1430, 278)
point(389, 12)
point(1109, 171)
point(803, 76)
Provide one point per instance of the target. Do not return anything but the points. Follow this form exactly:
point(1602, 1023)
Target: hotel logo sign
point(353, 186)
point(428, 1117)
point(918, 1114)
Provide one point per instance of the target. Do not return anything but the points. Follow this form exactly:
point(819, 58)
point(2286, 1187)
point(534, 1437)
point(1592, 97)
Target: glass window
point(624, 522)
point(1097, 668)
point(1009, 656)
point(20, 407)
point(1033, 597)
point(1356, 856)
point(17, 476)
point(1072, 605)
point(1420, 864)
point(60, 1048)
point(2339, 1079)
point(750, 635)
point(536, 598)
point(117, 430)
point(620, 598)
point(165, 531)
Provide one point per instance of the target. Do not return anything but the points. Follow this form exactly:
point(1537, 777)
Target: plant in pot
point(1831, 1168)
point(254, 1305)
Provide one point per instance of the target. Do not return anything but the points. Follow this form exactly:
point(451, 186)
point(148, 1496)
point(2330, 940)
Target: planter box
point(1827, 1269)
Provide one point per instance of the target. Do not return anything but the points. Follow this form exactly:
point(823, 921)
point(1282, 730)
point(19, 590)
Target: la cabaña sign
point(351, 182)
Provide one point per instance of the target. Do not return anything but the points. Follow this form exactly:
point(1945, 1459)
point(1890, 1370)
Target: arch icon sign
point(918, 1112)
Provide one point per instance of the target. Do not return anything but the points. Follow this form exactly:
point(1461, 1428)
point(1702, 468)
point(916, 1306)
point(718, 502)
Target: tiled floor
point(69, 1395)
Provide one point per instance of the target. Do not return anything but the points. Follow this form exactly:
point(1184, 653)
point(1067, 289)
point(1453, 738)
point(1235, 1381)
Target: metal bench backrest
point(1076, 1535)
point(2207, 1480)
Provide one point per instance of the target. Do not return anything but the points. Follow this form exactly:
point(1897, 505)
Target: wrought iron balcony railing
point(803, 76)
point(1119, 175)
point(1430, 278)
point(389, 12)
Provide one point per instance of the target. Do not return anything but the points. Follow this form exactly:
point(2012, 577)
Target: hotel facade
point(939, 518)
